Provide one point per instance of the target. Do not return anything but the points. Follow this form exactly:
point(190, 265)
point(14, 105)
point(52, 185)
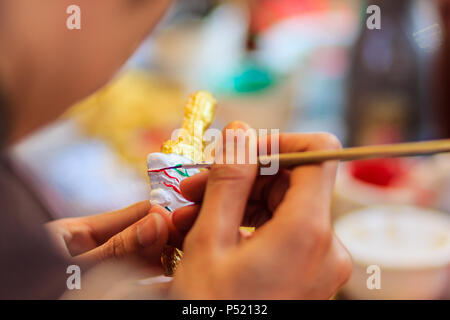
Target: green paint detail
point(184, 174)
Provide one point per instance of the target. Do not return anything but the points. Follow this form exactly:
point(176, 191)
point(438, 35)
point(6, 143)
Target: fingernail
point(235, 125)
point(148, 230)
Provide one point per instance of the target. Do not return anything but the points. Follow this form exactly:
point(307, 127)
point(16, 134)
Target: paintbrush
point(347, 154)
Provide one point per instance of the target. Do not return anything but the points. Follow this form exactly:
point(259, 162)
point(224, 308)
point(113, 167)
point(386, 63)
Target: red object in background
point(380, 172)
point(265, 13)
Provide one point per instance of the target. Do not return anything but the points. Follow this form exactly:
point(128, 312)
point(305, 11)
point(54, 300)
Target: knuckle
point(115, 247)
point(328, 141)
point(234, 124)
point(313, 237)
point(228, 173)
point(197, 240)
point(320, 236)
point(344, 267)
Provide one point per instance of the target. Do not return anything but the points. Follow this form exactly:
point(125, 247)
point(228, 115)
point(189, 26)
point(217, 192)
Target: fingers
point(302, 219)
point(193, 188)
point(227, 192)
point(104, 226)
point(310, 185)
point(184, 218)
point(146, 238)
point(269, 191)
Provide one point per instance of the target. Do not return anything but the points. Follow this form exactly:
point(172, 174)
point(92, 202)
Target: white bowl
point(411, 247)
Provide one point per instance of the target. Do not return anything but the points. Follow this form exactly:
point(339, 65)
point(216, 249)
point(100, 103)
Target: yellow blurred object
point(198, 115)
point(133, 114)
point(248, 229)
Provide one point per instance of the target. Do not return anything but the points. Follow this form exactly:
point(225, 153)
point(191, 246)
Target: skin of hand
point(137, 233)
point(293, 254)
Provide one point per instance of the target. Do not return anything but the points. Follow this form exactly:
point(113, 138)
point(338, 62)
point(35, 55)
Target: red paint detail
point(173, 187)
point(165, 172)
point(156, 170)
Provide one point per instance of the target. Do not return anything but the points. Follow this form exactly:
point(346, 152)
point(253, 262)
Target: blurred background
point(297, 66)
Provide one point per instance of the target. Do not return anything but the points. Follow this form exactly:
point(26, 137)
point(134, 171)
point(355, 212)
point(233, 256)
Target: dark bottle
point(383, 104)
point(442, 85)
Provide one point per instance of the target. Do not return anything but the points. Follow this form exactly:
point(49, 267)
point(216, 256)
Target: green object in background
point(250, 78)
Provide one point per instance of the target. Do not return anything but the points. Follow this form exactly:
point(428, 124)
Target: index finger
point(104, 226)
point(305, 207)
point(309, 184)
point(193, 188)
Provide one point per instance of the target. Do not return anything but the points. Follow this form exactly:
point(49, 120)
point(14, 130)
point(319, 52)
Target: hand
point(138, 232)
point(292, 254)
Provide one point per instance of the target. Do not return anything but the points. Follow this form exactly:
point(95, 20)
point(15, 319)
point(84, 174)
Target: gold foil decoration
point(198, 116)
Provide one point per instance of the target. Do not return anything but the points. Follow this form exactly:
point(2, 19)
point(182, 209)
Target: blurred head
point(45, 67)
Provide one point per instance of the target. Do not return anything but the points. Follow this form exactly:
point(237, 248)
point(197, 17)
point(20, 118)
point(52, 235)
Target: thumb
point(146, 239)
point(227, 190)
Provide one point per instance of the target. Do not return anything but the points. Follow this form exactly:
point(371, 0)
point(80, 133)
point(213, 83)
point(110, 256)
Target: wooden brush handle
point(357, 153)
